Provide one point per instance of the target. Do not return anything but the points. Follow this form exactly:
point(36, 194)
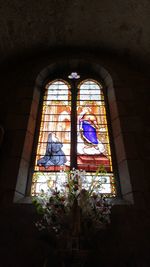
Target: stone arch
point(51, 72)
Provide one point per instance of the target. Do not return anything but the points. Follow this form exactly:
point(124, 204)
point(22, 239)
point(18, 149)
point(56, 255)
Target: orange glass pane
point(53, 150)
point(93, 146)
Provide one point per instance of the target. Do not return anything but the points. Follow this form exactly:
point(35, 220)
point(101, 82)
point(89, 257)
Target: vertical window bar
point(74, 125)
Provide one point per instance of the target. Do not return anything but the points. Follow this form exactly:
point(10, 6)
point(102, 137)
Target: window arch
point(73, 134)
point(121, 166)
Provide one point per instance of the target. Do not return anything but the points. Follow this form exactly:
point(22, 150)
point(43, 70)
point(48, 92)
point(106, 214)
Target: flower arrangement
point(67, 210)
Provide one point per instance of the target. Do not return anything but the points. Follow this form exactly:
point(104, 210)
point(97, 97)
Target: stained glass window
point(73, 133)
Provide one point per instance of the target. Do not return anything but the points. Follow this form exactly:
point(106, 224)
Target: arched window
point(73, 134)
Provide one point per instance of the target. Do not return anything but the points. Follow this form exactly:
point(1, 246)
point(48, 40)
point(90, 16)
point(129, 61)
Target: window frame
point(96, 72)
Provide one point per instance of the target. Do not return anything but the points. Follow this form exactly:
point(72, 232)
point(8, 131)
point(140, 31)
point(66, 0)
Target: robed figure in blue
point(54, 155)
point(88, 127)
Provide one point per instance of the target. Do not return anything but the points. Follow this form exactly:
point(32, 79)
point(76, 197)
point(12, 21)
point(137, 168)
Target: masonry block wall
point(126, 243)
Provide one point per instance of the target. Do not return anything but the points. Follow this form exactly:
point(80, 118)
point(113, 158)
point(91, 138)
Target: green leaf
point(40, 210)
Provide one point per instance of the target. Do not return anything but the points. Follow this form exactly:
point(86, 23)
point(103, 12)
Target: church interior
point(40, 40)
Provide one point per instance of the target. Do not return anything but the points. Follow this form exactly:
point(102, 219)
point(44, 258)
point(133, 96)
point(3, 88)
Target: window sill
point(113, 201)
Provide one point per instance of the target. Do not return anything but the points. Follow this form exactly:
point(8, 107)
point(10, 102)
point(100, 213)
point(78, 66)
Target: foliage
point(57, 209)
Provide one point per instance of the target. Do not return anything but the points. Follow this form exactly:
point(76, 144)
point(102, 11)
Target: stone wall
point(118, 26)
point(127, 242)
